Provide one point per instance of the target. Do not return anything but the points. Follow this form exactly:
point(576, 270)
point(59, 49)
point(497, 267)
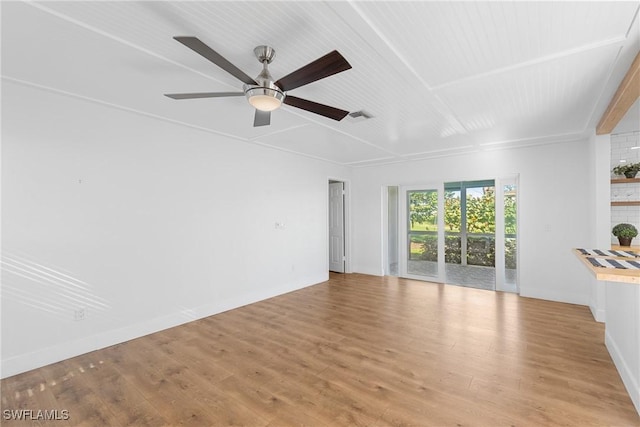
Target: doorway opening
point(337, 216)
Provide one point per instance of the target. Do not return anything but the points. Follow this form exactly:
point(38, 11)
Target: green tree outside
point(423, 216)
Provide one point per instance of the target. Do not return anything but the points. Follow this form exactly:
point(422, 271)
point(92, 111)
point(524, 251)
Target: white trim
point(499, 234)
point(385, 230)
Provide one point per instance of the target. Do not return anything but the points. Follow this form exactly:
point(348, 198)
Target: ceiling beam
point(623, 99)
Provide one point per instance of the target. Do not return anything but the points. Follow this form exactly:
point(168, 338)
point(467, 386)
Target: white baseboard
point(631, 383)
point(46, 356)
point(552, 295)
point(370, 271)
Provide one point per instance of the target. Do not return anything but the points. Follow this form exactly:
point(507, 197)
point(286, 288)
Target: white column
point(600, 214)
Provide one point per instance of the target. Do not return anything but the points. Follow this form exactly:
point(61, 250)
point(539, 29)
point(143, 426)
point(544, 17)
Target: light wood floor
point(356, 350)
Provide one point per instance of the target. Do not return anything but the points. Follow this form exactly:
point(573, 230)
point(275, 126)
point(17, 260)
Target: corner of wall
point(598, 313)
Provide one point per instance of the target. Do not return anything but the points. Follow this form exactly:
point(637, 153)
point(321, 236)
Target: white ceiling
point(440, 78)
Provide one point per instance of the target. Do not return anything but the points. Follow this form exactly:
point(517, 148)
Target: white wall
point(554, 197)
point(622, 334)
point(142, 223)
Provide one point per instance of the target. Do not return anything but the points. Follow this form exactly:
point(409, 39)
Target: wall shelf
point(629, 203)
point(624, 180)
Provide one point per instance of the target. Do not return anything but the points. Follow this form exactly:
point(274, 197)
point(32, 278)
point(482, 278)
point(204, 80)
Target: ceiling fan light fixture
point(264, 98)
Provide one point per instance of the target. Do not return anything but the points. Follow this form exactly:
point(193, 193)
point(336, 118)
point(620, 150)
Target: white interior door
point(336, 227)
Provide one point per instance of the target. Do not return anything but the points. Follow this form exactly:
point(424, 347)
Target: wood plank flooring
point(354, 351)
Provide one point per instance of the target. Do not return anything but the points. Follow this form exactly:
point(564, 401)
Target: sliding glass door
point(461, 233)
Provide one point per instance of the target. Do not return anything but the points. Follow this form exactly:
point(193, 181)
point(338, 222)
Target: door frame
point(512, 179)
point(347, 222)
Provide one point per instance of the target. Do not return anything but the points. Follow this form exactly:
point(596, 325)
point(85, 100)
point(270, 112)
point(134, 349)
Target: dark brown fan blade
point(202, 95)
point(326, 66)
point(314, 107)
point(262, 118)
point(199, 47)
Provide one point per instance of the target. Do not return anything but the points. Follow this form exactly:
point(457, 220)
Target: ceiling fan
point(265, 94)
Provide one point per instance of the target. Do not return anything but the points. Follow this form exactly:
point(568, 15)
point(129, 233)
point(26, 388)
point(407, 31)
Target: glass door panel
point(470, 233)
point(422, 233)
point(481, 224)
point(452, 224)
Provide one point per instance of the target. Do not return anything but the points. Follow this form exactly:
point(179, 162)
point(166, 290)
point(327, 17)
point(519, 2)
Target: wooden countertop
point(612, 274)
point(633, 248)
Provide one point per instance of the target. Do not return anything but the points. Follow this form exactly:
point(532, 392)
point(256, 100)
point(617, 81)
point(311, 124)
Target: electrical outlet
point(79, 314)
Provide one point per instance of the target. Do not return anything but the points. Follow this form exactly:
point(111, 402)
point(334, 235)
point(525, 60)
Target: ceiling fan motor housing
point(266, 96)
point(264, 53)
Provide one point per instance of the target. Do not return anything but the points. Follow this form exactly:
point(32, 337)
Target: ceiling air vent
point(358, 116)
